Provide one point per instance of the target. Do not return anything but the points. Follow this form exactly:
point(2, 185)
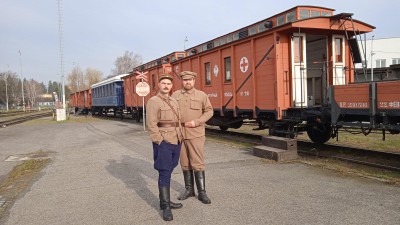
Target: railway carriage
point(279, 70)
point(108, 96)
point(81, 100)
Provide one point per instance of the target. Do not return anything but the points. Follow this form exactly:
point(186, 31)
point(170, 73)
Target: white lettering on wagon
point(212, 95)
point(228, 94)
point(245, 93)
point(389, 105)
point(358, 105)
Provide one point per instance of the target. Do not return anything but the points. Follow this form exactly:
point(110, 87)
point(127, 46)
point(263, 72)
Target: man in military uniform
point(163, 122)
point(196, 109)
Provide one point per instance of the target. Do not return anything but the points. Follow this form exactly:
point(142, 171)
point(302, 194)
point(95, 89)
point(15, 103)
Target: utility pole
point(22, 80)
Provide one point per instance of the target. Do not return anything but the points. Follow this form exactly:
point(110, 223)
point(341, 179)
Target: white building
point(380, 52)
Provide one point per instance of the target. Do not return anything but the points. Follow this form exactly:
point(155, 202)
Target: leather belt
point(168, 124)
point(183, 124)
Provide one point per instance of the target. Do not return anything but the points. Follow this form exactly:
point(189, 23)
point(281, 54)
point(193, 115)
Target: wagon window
point(236, 36)
point(261, 27)
point(229, 38)
point(304, 13)
point(280, 20)
point(338, 50)
point(180, 56)
point(315, 13)
point(208, 73)
point(252, 30)
point(222, 41)
point(291, 16)
point(395, 60)
point(326, 14)
point(216, 43)
point(298, 48)
point(227, 71)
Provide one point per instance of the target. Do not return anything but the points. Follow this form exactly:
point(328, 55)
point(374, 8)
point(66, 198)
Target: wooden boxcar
point(278, 70)
point(81, 100)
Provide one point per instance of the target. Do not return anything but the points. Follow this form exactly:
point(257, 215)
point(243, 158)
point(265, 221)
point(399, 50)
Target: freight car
point(292, 72)
point(81, 100)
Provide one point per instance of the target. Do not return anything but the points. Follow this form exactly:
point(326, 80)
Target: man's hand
point(190, 124)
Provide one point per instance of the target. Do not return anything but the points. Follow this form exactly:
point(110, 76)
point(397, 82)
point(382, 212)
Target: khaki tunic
point(194, 105)
point(158, 111)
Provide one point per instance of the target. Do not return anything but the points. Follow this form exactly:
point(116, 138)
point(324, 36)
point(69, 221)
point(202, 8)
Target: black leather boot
point(201, 186)
point(189, 185)
point(165, 203)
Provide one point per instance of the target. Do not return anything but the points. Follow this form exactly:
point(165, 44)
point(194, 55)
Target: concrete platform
point(103, 173)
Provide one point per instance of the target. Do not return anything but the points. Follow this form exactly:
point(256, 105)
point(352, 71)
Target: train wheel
point(320, 133)
point(138, 117)
point(223, 128)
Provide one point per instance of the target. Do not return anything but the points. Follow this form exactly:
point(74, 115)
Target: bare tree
point(126, 63)
point(92, 76)
point(76, 81)
point(33, 89)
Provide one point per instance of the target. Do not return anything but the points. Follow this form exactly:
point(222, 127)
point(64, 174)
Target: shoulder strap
point(176, 114)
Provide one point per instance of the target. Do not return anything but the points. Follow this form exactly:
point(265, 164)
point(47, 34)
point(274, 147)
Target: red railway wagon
point(278, 70)
point(133, 102)
point(81, 100)
point(369, 106)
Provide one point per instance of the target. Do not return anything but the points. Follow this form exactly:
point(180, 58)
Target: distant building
point(383, 55)
point(45, 100)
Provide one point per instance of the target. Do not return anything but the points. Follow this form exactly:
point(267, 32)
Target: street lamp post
point(6, 80)
point(22, 81)
point(372, 61)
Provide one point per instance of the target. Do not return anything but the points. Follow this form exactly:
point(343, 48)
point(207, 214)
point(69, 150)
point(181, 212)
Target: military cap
point(165, 76)
point(187, 74)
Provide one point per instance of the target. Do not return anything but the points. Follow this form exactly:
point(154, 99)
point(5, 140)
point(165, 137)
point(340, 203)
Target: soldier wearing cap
point(163, 123)
point(196, 110)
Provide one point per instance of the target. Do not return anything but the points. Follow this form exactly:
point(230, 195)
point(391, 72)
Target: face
point(165, 86)
point(188, 84)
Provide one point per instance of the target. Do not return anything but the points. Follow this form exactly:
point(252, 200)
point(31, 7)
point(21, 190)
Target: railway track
point(22, 118)
point(374, 158)
point(379, 159)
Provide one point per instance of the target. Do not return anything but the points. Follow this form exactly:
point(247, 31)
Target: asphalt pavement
point(102, 173)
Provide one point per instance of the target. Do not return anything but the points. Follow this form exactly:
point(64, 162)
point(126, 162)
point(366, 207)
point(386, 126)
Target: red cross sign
point(244, 64)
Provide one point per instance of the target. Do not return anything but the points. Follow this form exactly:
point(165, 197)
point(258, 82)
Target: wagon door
point(299, 74)
point(338, 60)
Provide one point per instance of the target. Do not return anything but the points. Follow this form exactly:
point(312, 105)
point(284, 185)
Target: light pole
point(184, 43)
point(372, 61)
point(22, 81)
point(5, 79)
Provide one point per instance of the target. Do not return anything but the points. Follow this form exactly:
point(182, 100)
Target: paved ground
point(102, 173)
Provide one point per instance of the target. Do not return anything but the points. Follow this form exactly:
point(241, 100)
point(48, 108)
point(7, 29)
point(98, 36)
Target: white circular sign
point(142, 89)
point(244, 64)
point(216, 70)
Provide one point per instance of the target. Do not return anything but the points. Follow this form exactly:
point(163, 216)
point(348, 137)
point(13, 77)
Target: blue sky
point(96, 32)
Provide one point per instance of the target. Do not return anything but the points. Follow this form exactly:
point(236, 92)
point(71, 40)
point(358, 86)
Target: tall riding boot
point(201, 186)
point(165, 203)
point(189, 185)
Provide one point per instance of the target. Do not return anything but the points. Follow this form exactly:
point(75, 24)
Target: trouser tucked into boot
point(165, 203)
point(189, 185)
point(201, 186)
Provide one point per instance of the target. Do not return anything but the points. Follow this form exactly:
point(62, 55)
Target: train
point(292, 72)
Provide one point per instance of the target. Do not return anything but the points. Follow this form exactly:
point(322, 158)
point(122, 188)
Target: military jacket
point(159, 112)
point(194, 105)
